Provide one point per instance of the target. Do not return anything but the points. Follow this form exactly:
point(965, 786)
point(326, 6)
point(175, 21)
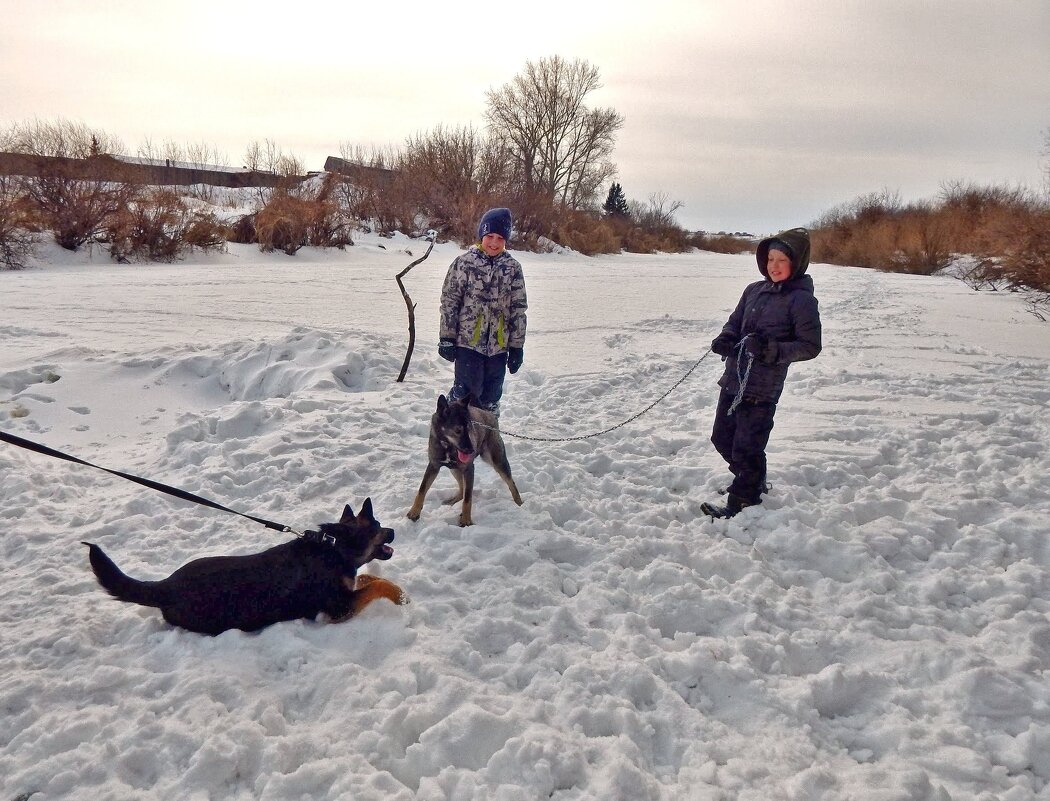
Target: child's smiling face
point(493, 244)
point(778, 266)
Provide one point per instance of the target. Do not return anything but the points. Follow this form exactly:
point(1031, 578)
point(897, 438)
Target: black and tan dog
point(459, 433)
point(298, 579)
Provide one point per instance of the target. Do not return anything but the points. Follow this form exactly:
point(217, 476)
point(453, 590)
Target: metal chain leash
point(631, 419)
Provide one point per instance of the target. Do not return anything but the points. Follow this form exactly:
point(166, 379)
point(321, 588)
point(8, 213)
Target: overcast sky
point(756, 116)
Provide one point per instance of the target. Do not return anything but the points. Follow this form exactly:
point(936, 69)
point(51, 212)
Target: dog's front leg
point(459, 495)
point(468, 494)
point(424, 485)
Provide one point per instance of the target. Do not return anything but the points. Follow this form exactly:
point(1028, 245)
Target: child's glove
point(515, 356)
point(723, 345)
point(447, 350)
point(755, 344)
point(761, 348)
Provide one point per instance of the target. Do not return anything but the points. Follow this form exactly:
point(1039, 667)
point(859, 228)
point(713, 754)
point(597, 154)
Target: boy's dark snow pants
point(480, 376)
point(741, 439)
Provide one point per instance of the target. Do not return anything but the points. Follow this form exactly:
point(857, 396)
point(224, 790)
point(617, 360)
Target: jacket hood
point(797, 239)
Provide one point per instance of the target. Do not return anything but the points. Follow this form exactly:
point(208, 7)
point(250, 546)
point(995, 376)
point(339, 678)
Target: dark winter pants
point(741, 439)
point(480, 376)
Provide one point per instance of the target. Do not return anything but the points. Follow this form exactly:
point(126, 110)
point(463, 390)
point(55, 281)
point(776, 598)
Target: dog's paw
point(412, 514)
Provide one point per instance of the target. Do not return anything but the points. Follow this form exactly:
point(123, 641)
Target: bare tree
point(367, 191)
point(268, 156)
point(73, 195)
point(558, 145)
point(452, 175)
point(16, 242)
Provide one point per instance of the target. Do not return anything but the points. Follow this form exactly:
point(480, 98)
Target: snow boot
point(733, 506)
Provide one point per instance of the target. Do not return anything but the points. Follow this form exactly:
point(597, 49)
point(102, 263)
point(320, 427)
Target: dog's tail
point(122, 586)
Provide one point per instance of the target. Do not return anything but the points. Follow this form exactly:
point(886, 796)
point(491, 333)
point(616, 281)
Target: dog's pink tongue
point(464, 456)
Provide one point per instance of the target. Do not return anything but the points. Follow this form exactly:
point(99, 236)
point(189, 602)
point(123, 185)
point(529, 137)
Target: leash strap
point(741, 377)
point(36, 447)
point(630, 419)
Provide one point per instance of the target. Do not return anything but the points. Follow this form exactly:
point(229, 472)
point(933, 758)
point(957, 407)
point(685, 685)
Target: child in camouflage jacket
point(483, 304)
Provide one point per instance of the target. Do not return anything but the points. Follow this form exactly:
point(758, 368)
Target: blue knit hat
point(495, 221)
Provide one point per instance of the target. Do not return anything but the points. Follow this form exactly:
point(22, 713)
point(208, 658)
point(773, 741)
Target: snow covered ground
point(876, 631)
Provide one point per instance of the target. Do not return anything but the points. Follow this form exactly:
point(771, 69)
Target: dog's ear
point(442, 404)
point(366, 511)
point(348, 514)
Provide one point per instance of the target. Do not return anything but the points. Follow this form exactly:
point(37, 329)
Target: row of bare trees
point(544, 152)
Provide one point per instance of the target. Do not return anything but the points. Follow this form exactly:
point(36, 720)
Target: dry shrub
point(860, 233)
point(242, 231)
point(535, 215)
point(299, 216)
point(586, 233)
point(283, 224)
point(920, 241)
point(1006, 230)
point(206, 232)
point(16, 239)
point(450, 176)
point(654, 228)
point(328, 224)
point(74, 209)
point(160, 227)
point(75, 186)
point(1023, 251)
point(721, 243)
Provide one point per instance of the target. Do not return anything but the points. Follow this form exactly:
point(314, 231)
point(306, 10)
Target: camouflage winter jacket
point(483, 302)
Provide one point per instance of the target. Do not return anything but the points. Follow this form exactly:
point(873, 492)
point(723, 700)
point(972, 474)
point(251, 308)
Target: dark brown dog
point(298, 579)
point(459, 433)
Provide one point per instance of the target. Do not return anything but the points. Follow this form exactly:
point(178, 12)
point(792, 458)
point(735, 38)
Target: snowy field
point(877, 631)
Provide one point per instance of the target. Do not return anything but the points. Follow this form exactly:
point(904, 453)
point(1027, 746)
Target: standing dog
point(298, 579)
point(459, 433)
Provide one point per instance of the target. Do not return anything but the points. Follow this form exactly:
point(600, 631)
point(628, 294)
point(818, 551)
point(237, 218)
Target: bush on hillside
point(16, 239)
point(1007, 230)
point(159, 226)
point(296, 217)
point(721, 243)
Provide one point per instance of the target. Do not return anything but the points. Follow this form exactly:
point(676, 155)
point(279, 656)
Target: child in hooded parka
point(775, 323)
point(483, 305)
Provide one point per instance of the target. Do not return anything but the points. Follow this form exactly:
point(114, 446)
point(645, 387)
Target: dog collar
point(318, 537)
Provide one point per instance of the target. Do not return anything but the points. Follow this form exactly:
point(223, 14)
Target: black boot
point(734, 504)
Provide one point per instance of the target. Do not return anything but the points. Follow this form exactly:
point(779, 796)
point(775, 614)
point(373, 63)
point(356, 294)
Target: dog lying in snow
point(299, 579)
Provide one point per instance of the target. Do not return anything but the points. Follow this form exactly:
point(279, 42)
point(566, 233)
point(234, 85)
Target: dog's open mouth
point(465, 456)
point(384, 551)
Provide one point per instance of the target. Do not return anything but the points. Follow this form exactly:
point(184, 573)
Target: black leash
point(174, 491)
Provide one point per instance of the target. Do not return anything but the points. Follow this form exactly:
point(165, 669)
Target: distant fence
point(375, 176)
point(107, 168)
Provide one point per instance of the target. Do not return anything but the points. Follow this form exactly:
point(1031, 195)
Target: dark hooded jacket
point(784, 313)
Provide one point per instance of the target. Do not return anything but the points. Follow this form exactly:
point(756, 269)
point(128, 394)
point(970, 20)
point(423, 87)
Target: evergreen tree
point(616, 202)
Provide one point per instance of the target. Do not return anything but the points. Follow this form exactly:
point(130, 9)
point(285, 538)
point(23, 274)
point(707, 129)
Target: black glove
point(447, 350)
point(756, 345)
point(724, 345)
point(761, 347)
point(515, 356)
